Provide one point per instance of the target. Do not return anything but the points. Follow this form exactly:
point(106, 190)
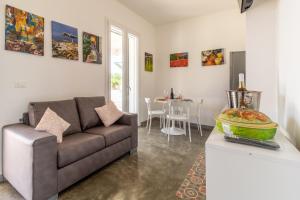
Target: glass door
point(116, 67)
point(132, 73)
point(123, 69)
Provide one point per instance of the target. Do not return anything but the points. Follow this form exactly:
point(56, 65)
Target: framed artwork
point(213, 57)
point(64, 41)
point(148, 62)
point(179, 59)
point(24, 31)
point(91, 48)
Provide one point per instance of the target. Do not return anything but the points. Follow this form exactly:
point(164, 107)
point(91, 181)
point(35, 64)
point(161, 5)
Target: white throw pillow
point(54, 124)
point(109, 113)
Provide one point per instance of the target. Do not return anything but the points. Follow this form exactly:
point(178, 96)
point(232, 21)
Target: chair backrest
point(148, 103)
point(197, 106)
point(179, 107)
point(199, 103)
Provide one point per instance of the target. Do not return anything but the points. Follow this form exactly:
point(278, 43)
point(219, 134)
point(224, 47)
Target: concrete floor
point(154, 173)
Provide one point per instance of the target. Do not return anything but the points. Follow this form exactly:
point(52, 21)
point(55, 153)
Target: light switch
point(20, 84)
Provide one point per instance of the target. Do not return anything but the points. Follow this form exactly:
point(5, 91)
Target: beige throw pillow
point(54, 124)
point(109, 113)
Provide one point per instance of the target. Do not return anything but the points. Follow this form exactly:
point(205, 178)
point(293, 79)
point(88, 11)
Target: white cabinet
point(241, 172)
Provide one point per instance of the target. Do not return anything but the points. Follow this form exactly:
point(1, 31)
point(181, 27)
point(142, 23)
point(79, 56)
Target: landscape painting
point(91, 48)
point(179, 60)
point(64, 41)
point(24, 31)
point(148, 62)
point(213, 57)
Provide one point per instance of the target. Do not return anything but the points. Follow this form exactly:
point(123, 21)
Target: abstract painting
point(179, 59)
point(64, 41)
point(213, 57)
point(91, 48)
point(148, 62)
point(24, 31)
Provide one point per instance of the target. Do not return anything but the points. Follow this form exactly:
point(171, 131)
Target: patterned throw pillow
point(109, 113)
point(54, 124)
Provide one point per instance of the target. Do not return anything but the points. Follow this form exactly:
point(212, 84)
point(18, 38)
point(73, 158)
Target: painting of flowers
point(64, 41)
point(91, 48)
point(213, 57)
point(179, 59)
point(24, 31)
point(148, 62)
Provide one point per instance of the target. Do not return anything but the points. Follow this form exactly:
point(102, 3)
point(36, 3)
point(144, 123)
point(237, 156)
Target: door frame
point(125, 81)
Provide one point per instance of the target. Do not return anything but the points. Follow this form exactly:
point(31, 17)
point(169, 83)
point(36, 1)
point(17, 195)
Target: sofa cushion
point(54, 124)
point(86, 108)
point(77, 146)
point(65, 109)
point(109, 113)
point(112, 134)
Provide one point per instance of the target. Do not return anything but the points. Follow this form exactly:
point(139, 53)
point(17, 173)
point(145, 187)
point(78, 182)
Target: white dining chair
point(183, 116)
point(153, 113)
point(199, 104)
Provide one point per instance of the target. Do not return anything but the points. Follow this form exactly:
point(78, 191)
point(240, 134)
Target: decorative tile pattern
point(194, 185)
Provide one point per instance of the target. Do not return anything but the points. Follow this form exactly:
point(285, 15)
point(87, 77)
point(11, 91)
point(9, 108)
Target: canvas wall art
point(179, 60)
point(91, 48)
point(64, 41)
point(213, 57)
point(148, 62)
point(24, 31)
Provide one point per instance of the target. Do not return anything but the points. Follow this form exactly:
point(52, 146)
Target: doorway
point(123, 68)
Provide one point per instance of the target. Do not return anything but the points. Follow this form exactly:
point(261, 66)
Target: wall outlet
point(20, 84)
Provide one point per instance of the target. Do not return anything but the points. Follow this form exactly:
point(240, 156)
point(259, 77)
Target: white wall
point(289, 70)
point(48, 78)
point(261, 64)
point(273, 61)
point(220, 30)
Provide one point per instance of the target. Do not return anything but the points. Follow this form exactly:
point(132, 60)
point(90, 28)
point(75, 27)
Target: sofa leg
point(133, 151)
point(2, 179)
point(54, 197)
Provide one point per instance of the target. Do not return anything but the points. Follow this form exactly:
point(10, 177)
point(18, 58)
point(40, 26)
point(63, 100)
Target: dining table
point(164, 101)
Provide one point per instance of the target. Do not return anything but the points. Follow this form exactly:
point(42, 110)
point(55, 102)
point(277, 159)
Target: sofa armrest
point(131, 120)
point(30, 161)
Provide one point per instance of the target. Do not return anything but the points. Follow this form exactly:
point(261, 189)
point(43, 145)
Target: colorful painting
point(64, 41)
point(179, 60)
point(24, 31)
point(213, 57)
point(148, 62)
point(91, 48)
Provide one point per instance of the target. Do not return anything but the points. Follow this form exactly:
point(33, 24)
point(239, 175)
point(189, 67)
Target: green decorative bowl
point(246, 123)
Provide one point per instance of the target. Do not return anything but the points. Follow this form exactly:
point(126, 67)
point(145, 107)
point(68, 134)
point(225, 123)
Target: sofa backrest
point(66, 109)
point(86, 108)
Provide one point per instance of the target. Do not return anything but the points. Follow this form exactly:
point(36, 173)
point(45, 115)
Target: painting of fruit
point(213, 57)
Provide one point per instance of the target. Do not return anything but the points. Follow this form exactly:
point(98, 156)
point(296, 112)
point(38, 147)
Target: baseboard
point(193, 125)
point(204, 127)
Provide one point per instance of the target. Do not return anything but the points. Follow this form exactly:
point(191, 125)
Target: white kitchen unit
point(241, 172)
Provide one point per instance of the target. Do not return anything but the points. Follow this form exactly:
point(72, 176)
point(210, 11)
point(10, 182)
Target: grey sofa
point(39, 168)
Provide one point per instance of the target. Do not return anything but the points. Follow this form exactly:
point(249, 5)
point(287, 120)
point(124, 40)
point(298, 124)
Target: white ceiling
point(164, 11)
